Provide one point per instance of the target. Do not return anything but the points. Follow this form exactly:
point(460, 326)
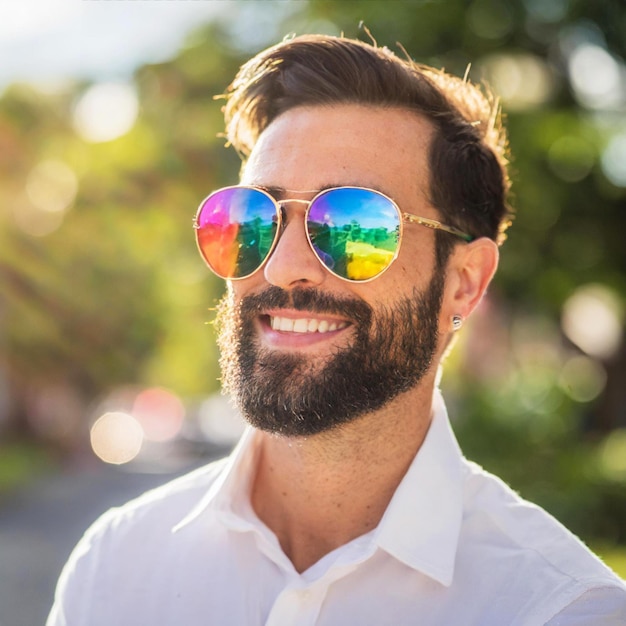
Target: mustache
point(306, 299)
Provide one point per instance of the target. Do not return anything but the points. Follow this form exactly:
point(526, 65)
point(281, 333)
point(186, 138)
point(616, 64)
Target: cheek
point(405, 276)
point(237, 289)
point(416, 261)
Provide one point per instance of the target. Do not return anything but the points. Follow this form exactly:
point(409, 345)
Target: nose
point(292, 262)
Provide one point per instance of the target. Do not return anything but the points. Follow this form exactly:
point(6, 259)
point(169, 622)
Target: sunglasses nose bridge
point(282, 210)
point(292, 261)
point(284, 201)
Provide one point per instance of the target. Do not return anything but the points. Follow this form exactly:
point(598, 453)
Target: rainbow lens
point(354, 232)
point(235, 230)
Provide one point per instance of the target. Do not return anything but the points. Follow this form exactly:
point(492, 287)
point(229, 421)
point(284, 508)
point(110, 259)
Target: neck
point(318, 493)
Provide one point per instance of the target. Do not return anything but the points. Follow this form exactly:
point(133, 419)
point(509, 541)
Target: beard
point(293, 394)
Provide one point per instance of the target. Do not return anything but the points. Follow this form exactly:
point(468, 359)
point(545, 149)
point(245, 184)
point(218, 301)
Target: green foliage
point(114, 293)
point(541, 453)
point(613, 556)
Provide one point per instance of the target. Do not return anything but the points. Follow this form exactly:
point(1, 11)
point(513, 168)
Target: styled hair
point(467, 156)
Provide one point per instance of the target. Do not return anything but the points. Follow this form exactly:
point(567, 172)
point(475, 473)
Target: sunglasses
point(354, 232)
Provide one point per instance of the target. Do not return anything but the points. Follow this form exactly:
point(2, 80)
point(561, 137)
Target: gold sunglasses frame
point(278, 204)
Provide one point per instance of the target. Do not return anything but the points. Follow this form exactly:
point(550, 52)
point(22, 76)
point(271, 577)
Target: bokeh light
point(613, 455)
point(490, 19)
point(547, 11)
point(50, 190)
point(597, 77)
point(52, 186)
point(116, 437)
point(538, 362)
point(523, 81)
point(614, 160)
point(591, 319)
point(571, 158)
point(160, 414)
point(582, 378)
point(106, 111)
point(219, 422)
point(31, 220)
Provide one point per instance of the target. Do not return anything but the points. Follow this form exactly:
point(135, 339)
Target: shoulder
point(536, 555)
point(164, 505)
point(159, 510)
point(600, 606)
point(142, 522)
point(108, 571)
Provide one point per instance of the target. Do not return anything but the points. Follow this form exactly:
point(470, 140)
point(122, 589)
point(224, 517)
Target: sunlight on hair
point(591, 319)
point(106, 111)
point(116, 437)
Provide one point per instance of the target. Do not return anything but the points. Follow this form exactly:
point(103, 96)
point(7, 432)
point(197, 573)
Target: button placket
point(297, 605)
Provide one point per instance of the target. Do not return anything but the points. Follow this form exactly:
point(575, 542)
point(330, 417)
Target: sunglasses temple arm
point(435, 225)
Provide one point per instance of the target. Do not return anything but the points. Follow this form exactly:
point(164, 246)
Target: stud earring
point(457, 322)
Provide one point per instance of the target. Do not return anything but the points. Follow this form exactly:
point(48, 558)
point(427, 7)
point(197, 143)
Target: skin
point(317, 493)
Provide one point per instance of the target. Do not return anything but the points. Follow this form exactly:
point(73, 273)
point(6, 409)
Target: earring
point(457, 322)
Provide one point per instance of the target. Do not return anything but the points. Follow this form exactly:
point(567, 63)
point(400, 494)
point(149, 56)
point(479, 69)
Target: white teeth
point(301, 326)
point(286, 324)
point(305, 325)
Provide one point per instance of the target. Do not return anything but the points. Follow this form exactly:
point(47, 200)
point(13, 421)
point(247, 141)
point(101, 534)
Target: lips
point(305, 325)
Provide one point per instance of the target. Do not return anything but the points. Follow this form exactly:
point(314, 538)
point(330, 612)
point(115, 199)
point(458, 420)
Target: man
point(364, 232)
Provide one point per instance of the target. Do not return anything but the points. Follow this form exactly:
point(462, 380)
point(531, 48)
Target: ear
point(470, 270)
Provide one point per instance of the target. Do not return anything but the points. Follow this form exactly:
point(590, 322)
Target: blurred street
point(39, 525)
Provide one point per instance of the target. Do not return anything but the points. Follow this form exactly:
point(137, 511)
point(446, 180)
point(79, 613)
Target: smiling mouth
point(305, 325)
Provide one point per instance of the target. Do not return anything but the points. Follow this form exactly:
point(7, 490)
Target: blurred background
point(110, 137)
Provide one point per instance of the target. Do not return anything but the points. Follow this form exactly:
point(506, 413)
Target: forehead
point(308, 148)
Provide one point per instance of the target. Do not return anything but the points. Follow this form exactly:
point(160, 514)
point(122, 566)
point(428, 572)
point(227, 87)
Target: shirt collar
point(231, 489)
point(422, 523)
point(423, 520)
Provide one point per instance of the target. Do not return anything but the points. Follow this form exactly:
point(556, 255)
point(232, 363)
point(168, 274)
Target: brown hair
point(468, 164)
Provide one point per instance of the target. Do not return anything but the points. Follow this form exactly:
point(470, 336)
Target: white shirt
point(455, 547)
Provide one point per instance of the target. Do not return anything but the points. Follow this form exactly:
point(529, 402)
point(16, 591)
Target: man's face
point(302, 350)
